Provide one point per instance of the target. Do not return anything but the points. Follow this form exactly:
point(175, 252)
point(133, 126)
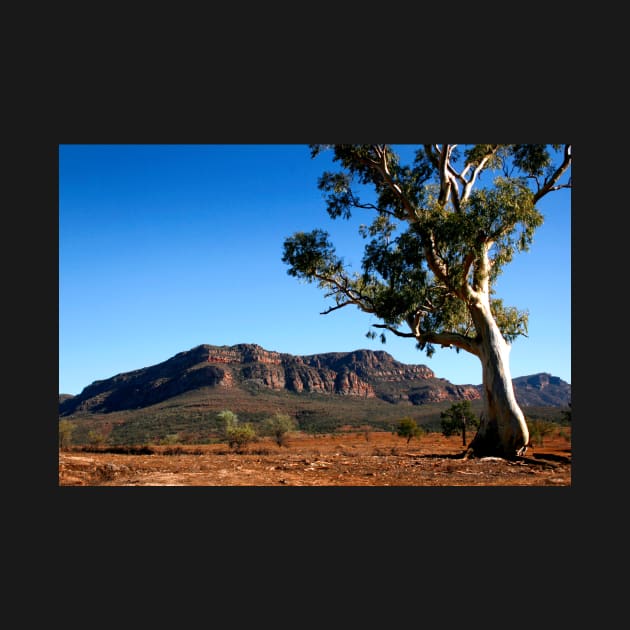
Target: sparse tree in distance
point(96, 438)
point(278, 427)
point(539, 429)
point(65, 433)
point(443, 229)
point(457, 418)
point(408, 428)
point(170, 439)
point(227, 420)
point(237, 435)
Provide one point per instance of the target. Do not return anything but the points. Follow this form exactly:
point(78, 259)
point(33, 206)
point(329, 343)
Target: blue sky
point(165, 247)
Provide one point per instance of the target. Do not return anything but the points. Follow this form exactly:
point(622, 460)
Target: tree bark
point(502, 431)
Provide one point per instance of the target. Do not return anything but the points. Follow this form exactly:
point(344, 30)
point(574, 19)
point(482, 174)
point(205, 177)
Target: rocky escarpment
point(273, 370)
point(542, 390)
point(372, 366)
point(237, 366)
point(249, 367)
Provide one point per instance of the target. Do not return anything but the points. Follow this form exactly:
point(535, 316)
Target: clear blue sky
point(165, 247)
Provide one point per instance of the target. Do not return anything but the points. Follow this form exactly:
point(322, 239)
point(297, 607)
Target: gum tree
point(442, 230)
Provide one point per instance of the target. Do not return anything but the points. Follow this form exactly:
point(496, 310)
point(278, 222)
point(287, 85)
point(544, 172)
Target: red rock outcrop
point(361, 374)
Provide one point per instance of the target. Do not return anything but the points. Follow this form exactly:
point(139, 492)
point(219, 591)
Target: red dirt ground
point(347, 459)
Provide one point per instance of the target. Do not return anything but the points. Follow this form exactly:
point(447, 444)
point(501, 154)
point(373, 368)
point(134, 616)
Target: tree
point(456, 418)
point(235, 434)
point(226, 420)
point(240, 436)
point(65, 433)
point(539, 429)
point(96, 438)
point(408, 428)
point(435, 248)
point(278, 427)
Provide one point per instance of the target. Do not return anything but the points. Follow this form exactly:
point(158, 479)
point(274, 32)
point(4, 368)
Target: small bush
point(408, 428)
point(278, 427)
point(239, 437)
point(171, 438)
point(65, 433)
point(539, 429)
point(96, 438)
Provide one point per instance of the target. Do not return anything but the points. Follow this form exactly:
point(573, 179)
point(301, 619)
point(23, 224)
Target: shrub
point(408, 428)
point(278, 427)
point(457, 418)
point(240, 436)
point(171, 438)
point(227, 420)
point(65, 433)
point(96, 438)
point(538, 430)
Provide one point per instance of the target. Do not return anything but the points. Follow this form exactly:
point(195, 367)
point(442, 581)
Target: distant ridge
point(361, 374)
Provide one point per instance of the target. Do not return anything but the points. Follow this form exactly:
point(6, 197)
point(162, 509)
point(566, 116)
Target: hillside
point(361, 374)
point(322, 392)
point(542, 390)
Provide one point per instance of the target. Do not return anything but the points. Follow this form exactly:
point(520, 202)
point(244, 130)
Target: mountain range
point(248, 369)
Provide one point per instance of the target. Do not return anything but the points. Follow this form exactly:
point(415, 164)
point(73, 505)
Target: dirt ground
point(350, 459)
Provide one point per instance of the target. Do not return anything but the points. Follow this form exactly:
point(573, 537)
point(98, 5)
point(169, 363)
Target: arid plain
point(374, 458)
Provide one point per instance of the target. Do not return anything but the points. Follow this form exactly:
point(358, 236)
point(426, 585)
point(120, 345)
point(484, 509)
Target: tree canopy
point(438, 239)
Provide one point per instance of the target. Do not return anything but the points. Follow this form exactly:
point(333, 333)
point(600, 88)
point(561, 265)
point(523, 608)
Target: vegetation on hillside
point(193, 419)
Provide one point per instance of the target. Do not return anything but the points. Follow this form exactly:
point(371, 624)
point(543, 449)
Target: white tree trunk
point(503, 431)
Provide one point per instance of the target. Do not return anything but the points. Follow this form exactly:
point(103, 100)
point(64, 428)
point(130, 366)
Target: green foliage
point(171, 438)
point(452, 419)
point(408, 428)
point(191, 418)
point(438, 236)
point(96, 438)
point(539, 429)
point(227, 420)
point(278, 427)
point(65, 433)
point(238, 437)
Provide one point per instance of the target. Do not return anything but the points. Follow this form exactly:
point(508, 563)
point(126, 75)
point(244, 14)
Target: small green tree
point(238, 437)
point(226, 420)
point(96, 438)
point(171, 438)
point(278, 427)
point(457, 418)
point(65, 433)
point(539, 429)
point(408, 428)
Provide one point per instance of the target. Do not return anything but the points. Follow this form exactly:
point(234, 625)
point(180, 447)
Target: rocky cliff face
point(542, 390)
point(359, 374)
point(274, 370)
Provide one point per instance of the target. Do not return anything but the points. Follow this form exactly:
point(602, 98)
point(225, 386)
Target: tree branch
point(552, 182)
point(429, 150)
point(395, 331)
point(478, 169)
point(445, 181)
point(446, 340)
point(334, 308)
point(383, 169)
